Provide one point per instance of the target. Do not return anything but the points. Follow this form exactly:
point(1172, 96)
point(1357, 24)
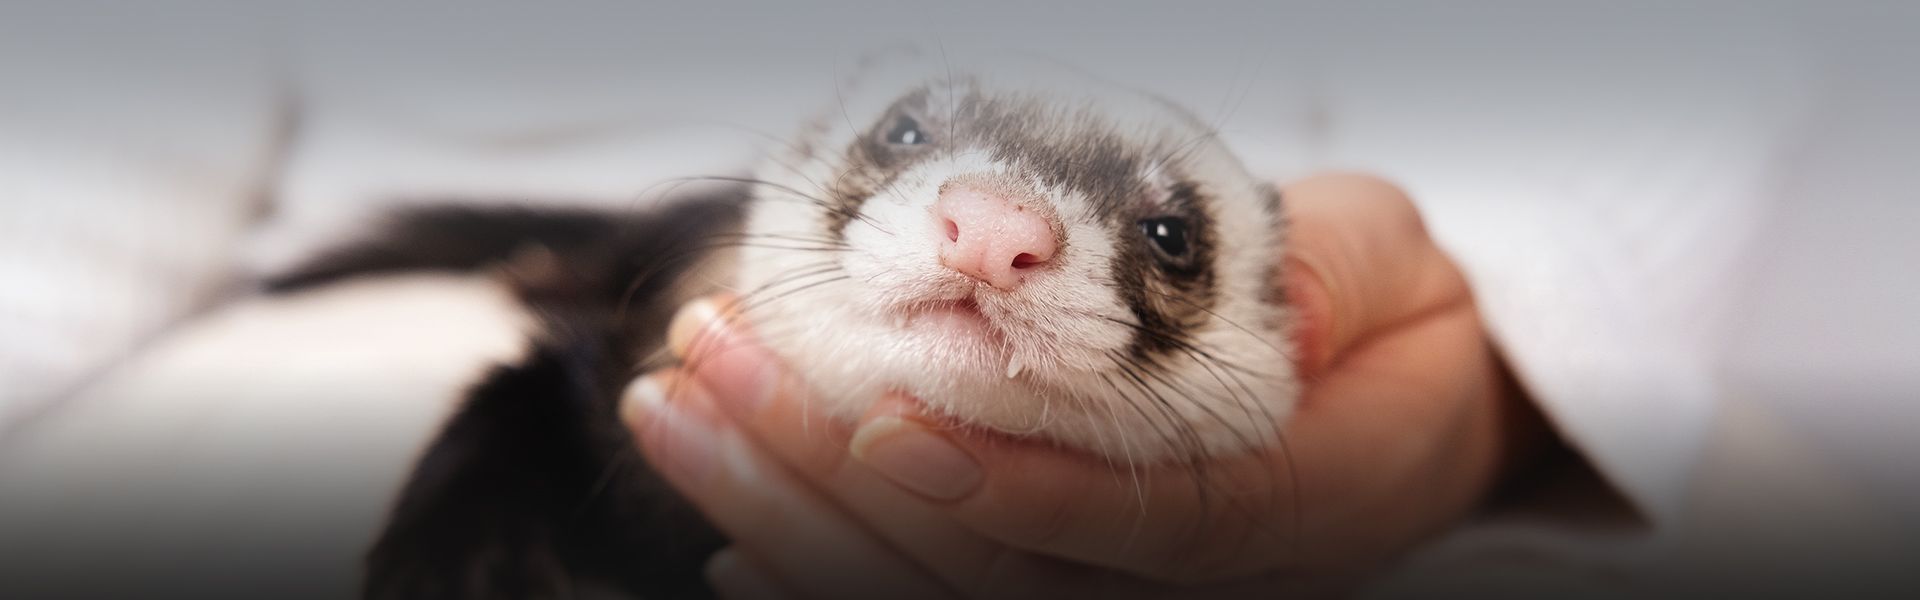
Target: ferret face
point(1045, 257)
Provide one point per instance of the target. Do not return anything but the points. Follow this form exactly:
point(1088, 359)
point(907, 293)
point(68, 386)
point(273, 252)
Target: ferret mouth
point(959, 320)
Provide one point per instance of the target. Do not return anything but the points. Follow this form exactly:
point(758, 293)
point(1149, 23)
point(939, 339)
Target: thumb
point(1359, 262)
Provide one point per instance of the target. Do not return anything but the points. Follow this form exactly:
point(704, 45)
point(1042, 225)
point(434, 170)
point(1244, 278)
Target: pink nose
point(991, 237)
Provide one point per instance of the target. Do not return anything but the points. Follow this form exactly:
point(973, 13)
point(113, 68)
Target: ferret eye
point(1169, 235)
point(906, 132)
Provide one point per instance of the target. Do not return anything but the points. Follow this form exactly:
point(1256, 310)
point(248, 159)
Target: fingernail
point(735, 579)
point(680, 441)
point(741, 374)
point(690, 324)
point(643, 399)
point(915, 458)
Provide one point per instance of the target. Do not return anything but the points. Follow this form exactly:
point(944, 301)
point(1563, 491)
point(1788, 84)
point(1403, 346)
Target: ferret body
point(1027, 252)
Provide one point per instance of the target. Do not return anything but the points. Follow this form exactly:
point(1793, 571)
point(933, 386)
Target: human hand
point(1406, 421)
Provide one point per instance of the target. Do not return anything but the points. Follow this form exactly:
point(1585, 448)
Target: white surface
point(272, 433)
point(126, 179)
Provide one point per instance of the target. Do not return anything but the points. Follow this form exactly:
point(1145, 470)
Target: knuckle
point(1388, 210)
point(1391, 203)
point(1368, 185)
point(1382, 197)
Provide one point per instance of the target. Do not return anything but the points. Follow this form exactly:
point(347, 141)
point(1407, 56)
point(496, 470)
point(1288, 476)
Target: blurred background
point(1692, 225)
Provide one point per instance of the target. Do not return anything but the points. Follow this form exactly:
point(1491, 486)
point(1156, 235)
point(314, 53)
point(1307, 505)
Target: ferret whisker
point(823, 240)
point(1133, 465)
point(1255, 516)
point(1243, 329)
point(1272, 426)
point(1180, 151)
point(1245, 85)
point(754, 300)
point(796, 170)
point(865, 152)
point(766, 301)
point(789, 144)
point(600, 484)
point(1190, 447)
point(1189, 443)
point(1139, 403)
point(772, 246)
point(1126, 440)
point(1198, 456)
point(623, 305)
point(1107, 449)
point(1174, 339)
point(798, 195)
point(1154, 369)
point(1181, 342)
point(798, 273)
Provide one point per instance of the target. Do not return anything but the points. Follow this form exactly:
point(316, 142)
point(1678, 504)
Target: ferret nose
point(991, 237)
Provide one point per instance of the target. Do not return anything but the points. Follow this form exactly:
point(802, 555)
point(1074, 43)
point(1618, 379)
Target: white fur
point(844, 332)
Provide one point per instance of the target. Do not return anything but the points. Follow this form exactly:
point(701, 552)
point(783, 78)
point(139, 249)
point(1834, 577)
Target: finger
point(780, 415)
point(819, 448)
point(1165, 522)
point(1359, 262)
point(926, 493)
point(1084, 530)
point(990, 570)
point(1364, 263)
point(745, 378)
point(804, 540)
point(1406, 416)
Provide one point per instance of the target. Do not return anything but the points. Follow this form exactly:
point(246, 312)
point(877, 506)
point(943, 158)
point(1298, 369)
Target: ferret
point(1034, 253)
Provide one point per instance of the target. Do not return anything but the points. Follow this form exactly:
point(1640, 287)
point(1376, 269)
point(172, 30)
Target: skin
point(1408, 421)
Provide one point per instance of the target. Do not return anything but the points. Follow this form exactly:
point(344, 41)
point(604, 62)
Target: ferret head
point(1029, 252)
